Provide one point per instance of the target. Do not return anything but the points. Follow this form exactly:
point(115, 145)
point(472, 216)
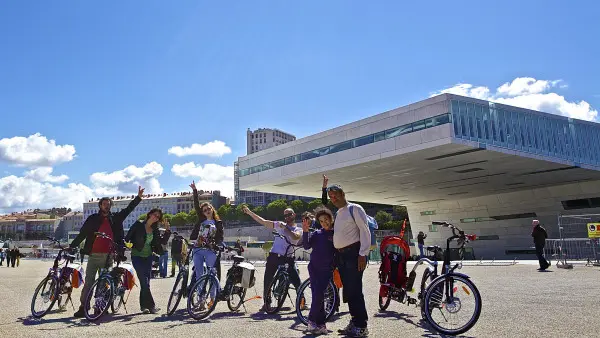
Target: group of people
point(340, 240)
point(12, 256)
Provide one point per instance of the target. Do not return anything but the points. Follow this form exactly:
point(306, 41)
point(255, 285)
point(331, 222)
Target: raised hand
point(325, 181)
point(140, 191)
point(305, 225)
point(166, 224)
point(245, 210)
point(193, 185)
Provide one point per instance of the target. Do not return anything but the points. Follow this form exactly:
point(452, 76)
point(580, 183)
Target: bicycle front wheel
point(98, 299)
point(176, 293)
point(277, 293)
point(449, 299)
point(202, 298)
point(44, 297)
point(304, 300)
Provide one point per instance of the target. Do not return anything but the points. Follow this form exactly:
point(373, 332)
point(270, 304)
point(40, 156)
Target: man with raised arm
point(279, 252)
point(352, 239)
point(99, 248)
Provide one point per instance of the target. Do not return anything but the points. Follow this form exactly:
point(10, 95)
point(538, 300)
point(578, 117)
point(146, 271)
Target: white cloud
point(210, 176)
point(21, 193)
point(126, 181)
point(44, 174)
point(212, 149)
point(35, 150)
point(529, 93)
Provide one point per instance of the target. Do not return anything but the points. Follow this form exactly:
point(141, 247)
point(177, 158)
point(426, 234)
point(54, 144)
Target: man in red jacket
point(98, 249)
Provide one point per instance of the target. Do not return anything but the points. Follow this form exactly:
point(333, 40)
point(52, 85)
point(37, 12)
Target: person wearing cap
point(352, 239)
point(539, 235)
point(279, 252)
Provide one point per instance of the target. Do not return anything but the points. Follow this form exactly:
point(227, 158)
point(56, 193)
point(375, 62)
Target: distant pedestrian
point(539, 235)
point(421, 241)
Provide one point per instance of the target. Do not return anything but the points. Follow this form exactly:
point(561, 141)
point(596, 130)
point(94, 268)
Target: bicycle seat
point(70, 256)
point(237, 259)
point(433, 248)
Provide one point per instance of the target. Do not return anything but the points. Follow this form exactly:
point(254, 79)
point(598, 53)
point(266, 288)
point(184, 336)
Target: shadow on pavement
point(402, 316)
point(430, 332)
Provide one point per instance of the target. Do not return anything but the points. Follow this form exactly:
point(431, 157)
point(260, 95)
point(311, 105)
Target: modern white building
point(489, 168)
point(169, 204)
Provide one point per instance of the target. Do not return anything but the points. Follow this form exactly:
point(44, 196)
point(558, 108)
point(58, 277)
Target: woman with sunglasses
point(147, 239)
point(207, 233)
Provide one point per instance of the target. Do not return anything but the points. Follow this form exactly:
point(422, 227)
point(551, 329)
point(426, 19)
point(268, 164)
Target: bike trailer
point(392, 271)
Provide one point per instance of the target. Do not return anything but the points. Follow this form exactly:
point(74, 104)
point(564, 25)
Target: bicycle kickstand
point(70, 300)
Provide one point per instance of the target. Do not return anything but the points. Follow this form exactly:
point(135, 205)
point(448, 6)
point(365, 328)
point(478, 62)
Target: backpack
point(371, 222)
point(177, 246)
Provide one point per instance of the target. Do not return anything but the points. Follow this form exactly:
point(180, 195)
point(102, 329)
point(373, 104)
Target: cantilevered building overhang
point(487, 166)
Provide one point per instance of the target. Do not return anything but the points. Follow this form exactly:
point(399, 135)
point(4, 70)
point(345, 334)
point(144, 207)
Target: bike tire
point(212, 281)
point(439, 282)
point(176, 293)
point(427, 275)
point(53, 288)
point(108, 298)
point(282, 284)
point(331, 299)
point(117, 297)
point(384, 302)
point(236, 289)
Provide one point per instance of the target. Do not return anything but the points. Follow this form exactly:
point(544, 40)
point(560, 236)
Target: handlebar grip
point(439, 223)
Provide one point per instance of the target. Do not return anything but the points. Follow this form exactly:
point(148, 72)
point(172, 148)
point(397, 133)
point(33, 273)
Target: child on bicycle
point(321, 264)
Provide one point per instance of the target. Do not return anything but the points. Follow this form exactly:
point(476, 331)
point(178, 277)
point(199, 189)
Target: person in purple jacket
point(320, 268)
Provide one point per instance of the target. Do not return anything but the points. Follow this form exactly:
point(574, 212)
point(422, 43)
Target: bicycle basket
point(248, 278)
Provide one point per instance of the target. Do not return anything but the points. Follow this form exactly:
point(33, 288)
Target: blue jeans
point(421, 250)
point(163, 263)
point(319, 280)
point(203, 256)
point(353, 285)
point(143, 269)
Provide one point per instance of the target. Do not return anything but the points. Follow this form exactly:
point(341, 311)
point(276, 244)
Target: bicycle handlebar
point(461, 236)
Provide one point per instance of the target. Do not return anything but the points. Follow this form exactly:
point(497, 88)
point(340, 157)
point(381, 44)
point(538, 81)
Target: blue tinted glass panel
point(361, 141)
point(380, 136)
point(428, 123)
point(442, 119)
point(289, 160)
point(308, 155)
point(456, 119)
point(398, 131)
point(419, 125)
point(464, 125)
point(340, 147)
point(278, 163)
point(322, 152)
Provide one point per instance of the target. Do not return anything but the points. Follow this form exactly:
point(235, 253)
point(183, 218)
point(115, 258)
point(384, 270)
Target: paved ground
point(518, 301)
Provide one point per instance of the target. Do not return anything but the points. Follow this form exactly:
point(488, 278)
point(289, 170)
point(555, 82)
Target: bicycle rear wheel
point(119, 296)
point(236, 296)
point(428, 277)
point(176, 293)
point(277, 293)
point(46, 293)
point(448, 297)
point(98, 299)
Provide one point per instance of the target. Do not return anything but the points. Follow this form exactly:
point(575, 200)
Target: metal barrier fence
point(573, 243)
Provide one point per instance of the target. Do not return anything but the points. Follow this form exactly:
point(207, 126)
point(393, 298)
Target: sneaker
point(311, 327)
point(347, 330)
point(359, 332)
point(322, 329)
point(155, 310)
point(79, 313)
point(145, 311)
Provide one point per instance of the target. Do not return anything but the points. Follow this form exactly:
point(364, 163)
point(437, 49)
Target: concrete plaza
point(518, 301)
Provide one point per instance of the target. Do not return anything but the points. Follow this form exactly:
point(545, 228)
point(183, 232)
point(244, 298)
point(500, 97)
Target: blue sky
point(122, 83)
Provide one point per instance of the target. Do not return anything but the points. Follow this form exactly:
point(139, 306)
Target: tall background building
point(257, 140)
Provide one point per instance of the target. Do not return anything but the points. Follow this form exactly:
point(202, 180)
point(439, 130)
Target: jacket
point(93, 222)
point(539, 235)
point(137, 236)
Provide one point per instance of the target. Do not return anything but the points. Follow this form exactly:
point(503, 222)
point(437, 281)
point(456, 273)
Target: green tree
point(275, 209)
point(312, 205)
point(383, 217)
point(142, 217)
point(400, 212)
point(179, 219)
point(224, 212)
point(260, 211)
point(192, 217)
point(298, 206)
point(168, 217)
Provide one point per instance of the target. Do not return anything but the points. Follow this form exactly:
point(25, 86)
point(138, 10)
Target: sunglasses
point(206, 210)
point(288, 214)
point(334, 187)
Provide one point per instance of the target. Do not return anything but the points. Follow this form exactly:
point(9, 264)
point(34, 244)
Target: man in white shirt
point(281, 252)
point(352, 239)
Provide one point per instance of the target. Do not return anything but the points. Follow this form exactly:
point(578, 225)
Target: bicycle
point(240, 277)
point(280, 285)
point(59, 281)
point(332, 300)
point(110, 287)
point(180, 288)
point(431, 295)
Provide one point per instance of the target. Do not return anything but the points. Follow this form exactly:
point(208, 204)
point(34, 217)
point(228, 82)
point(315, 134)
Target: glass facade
point(532, 132)
point(357, 142)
